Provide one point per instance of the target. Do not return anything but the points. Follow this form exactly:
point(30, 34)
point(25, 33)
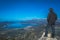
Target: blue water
point(18, 25)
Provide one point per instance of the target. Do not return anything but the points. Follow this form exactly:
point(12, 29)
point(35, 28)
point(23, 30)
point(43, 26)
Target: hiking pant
point(52, 30)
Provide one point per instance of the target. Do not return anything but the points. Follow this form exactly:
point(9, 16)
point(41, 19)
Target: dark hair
point(51, 9)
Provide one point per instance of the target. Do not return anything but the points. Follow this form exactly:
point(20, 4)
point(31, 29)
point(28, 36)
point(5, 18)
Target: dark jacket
point(51, 19)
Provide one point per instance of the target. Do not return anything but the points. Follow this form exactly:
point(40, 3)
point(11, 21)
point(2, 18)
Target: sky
point(27, 9)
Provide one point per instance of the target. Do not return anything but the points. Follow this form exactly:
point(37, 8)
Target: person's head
point(51, 9)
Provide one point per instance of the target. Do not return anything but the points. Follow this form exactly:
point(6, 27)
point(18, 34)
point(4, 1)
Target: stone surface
point(47, 38)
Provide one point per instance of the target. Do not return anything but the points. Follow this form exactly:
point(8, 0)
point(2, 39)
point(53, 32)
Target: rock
point(47, 38)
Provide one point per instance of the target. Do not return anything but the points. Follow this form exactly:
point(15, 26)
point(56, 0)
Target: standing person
point(51, 19)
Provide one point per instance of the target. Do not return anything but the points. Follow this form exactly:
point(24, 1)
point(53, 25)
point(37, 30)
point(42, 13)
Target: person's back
point(52, 17)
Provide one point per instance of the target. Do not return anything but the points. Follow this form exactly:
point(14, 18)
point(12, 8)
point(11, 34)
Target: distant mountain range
point(25, 23)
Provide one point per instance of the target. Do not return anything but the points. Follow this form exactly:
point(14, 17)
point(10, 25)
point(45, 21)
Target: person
point(51, 19)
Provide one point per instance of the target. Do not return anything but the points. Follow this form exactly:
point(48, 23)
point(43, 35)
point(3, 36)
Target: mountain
point(32, 30)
